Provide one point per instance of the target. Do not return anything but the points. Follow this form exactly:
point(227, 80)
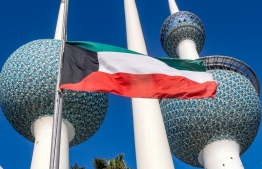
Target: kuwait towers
point(209, 133)
point(28, 80)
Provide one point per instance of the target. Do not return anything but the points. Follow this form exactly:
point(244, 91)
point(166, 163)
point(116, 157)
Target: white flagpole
point(57, 122)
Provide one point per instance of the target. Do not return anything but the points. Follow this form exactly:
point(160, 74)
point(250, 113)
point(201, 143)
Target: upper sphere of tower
point(181, 26)
point(28, 81)
point(234, 114)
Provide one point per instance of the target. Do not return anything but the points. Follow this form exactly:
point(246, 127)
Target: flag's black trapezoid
point(78, 62)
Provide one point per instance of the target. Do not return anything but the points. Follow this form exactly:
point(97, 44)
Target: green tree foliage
point(75, 166)
point(116, 163)
point(100, 163)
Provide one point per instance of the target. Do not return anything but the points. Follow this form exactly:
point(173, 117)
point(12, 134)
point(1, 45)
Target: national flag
point(89, 66)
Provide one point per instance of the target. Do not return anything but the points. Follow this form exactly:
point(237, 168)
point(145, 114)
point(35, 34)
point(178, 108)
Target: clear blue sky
point(233, 28)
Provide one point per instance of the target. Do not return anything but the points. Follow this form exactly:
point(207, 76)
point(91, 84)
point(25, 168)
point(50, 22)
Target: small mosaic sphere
point(234, 114)
point(27, 86)
point(181, 26)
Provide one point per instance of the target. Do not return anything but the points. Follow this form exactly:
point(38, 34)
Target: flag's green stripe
point(180, 64)
point(98, 47)
point(184, 64)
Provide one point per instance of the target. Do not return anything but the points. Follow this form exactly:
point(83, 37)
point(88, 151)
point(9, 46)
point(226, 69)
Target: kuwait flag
point(89, 66)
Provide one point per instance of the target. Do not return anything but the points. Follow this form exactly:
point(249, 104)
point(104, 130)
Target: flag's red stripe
point(144, 86)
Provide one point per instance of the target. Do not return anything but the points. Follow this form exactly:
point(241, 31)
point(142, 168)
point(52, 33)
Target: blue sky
point(233, 28)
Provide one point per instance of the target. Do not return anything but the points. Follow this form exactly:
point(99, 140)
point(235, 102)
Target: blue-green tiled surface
point(178, 27)
point(233, 114)
point(27, 84)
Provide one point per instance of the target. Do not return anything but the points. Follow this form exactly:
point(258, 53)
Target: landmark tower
point(212, 132)
point(28, 80)
point(149, 129)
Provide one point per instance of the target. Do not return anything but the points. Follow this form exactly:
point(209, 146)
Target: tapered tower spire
point(61, 20)
point(173, 6)
point(152, 149)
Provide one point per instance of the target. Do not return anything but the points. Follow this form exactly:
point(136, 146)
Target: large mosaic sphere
point(234, 114)
point(27, 85)
point(181, 26)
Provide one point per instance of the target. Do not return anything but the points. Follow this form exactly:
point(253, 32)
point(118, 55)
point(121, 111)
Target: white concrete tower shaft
point(42, 131)
point(42, 128)
point(152, 148)
point(222, 154)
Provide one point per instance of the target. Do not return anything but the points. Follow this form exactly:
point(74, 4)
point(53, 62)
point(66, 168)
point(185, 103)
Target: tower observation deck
point(28, 81)
point(210, 132)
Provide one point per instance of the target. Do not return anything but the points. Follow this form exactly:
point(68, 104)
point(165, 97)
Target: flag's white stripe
point(113, 62)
